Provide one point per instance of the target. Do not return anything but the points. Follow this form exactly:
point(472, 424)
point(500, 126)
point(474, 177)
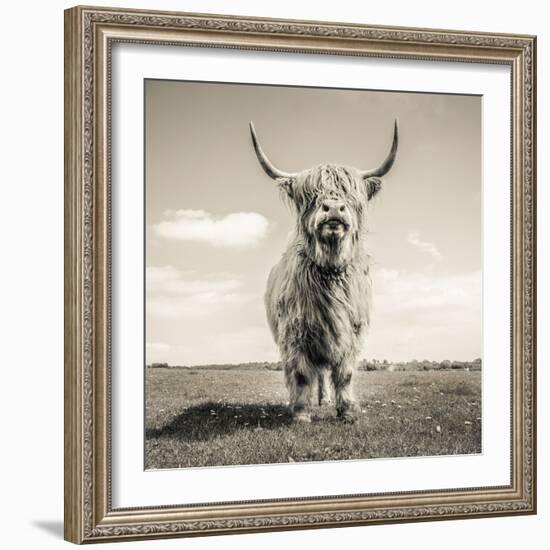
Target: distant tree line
point(364, 365)
point(222, 366)
point(415, 365)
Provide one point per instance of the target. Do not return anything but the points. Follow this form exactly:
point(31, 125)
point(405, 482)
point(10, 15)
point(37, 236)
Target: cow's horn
point(267, 165)
point(385, 167)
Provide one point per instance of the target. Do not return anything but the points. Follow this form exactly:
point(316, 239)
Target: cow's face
point(330, 203)
point(333, 220)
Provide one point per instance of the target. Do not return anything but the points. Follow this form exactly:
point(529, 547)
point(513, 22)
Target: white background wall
point(31, 286)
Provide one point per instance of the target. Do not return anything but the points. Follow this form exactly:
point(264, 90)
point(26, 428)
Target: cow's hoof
point(325, 401)
point(348, 414)
point(347, 417)
point(302, 417)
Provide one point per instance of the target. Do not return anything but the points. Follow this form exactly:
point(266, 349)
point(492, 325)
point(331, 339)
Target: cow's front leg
point(342, 378)
point(324, 393)
point(300, 379)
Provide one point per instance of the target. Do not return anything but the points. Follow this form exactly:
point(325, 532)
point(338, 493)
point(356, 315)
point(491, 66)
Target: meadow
point(221, 416)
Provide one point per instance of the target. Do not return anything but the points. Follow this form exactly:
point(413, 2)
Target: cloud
point(161, 352)
point(423, 315)
point(242, 345)
point(238, 229)
point(424, 246)
point(169, 280)
point(173, 294)
point(156, 346)
point(194, 319)
point(401, 291)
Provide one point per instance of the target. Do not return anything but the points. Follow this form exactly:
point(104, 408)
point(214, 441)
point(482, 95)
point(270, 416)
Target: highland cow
point(319, 294)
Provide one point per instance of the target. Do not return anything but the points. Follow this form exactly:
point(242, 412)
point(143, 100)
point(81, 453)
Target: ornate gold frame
point(89, 35)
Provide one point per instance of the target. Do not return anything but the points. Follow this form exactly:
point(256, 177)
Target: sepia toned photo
point(313, 274)
point(300, 274)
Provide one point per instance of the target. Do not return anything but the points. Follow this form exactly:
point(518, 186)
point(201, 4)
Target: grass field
point(215, 417)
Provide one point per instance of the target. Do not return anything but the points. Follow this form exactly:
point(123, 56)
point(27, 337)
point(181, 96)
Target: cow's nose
point(333, 207)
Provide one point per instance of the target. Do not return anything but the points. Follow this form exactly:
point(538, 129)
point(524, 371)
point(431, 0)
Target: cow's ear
point(287, 185)
point(373, 186)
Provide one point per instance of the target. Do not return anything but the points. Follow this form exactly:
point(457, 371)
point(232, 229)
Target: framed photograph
point(300, 274)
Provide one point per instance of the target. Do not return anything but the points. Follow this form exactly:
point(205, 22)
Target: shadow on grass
point(209, 420)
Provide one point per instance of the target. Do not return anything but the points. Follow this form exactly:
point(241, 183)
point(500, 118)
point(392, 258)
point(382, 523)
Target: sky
point(215, 224)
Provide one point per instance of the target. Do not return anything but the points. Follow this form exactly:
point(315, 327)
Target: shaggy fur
point(318, 295)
